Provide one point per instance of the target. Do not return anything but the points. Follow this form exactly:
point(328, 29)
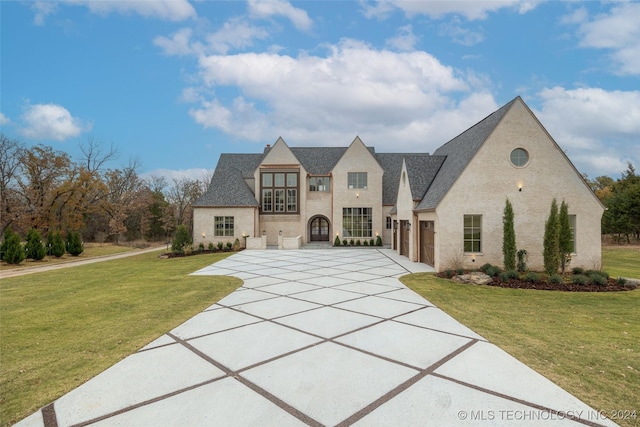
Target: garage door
point(427, 239)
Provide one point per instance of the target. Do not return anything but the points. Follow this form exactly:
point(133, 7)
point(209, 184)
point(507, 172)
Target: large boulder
point(475, 278)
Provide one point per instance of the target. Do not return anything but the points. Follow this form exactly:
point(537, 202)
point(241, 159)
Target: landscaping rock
point(475, 278)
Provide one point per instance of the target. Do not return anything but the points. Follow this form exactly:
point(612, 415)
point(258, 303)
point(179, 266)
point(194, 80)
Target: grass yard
point(621, 261)
point(61, 328)
point(587, 343)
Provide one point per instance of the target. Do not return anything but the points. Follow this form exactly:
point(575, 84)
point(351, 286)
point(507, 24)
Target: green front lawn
point(587, 343)
point(61, 328)
point(621, 261)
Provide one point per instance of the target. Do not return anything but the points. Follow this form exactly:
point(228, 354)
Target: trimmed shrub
point(599, 279)
point(577, 270)
point(378, 241)
point(621, 281)
point(201, 247)
point(485, 267)
point(181, 239)
point(358, 243)
point(34, 249)
point(531, 277)
point(336, 242)
point(371, 242)
point(228, 246)
point(459, 271)
point(523, 256)
point(493, 271)
point(344, 242)
point(74, 243)
point(592, 273)
point(211, 246)
point(555, 279)
point(55, 243)
point(351, 242)
point(366, 243)
point(12, 250)
point(449, 273)
point(580, 279)
point(220, 245)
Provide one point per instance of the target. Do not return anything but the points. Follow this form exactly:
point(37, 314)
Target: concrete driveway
point(318, 337)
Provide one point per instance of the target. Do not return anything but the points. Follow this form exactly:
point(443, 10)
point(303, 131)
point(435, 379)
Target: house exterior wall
point(490, 178)
point(244, 221)
point(404, 207)
point(357, 158)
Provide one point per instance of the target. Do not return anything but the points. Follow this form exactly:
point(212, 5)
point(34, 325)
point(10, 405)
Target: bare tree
point(10, 153)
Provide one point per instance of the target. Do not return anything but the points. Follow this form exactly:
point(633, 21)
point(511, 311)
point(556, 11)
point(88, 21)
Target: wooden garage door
point(405, 233)
point(427, 242)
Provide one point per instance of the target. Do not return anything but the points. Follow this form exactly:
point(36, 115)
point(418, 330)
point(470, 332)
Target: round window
point(519, 157)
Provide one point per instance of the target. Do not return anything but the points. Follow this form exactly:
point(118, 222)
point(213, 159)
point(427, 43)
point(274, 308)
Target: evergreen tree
point(508, 238)
point(551, 241)
point(55, 243)
point(565, 239)
point(12, 250)
point(34, 247)
point(181, 239)
point(74, 243)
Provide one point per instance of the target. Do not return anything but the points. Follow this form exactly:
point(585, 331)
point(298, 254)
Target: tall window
point(223, 226)
point(357, 222)
point(357, 179)
point(572, 226)
point(388, 223)
point(473, 233)
point(280, 192)
point(319, 183)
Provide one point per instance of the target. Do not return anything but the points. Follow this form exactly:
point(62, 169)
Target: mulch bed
point(611, 286)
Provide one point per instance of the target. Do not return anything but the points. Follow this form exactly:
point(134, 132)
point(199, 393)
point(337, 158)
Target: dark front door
point(319, 229)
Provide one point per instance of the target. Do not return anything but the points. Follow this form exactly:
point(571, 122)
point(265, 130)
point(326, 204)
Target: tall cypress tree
point(552, 241)
point(508, 238)
point(55, 243)
point(12, 250)
point(565, 241)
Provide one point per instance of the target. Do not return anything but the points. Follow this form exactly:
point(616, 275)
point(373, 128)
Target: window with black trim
point(357, 222)
point(357, 179)
point(223, 226)
point(279, 192)
point(388, 223)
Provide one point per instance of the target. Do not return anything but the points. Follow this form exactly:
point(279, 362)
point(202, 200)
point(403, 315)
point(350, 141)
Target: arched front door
point(319, 229)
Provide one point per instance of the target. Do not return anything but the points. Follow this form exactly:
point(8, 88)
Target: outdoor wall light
point(519, 187)
point(203, 235)
point(280, 233)
point(357, 195)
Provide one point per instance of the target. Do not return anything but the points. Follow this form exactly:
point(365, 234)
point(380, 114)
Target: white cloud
point(471, 10)
point(618, 31)
point(235, 34)
point(169, 10)
point(4, 120)
point(266, 9)
point(599, 129)
point(178, 44)
point(50, 121)
point(170, 175)
point(42, 9)
point(405, 40)
point(460, 34)
point(398, 101)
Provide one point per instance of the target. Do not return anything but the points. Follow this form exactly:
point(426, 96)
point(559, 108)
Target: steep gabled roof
point(421, 170)
point(228, 186)
point(318, 160)
point(459, 152)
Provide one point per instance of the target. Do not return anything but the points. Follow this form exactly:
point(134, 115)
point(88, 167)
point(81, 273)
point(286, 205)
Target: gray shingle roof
point(318, 160)
point(227, 187)
point(459, 152)
point(421, 170)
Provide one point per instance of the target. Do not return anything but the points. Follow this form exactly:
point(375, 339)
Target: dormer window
point(357, 180)
point(319, 183)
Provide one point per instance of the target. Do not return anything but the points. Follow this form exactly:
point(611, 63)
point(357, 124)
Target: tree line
point(48, 191)
point(621, 198)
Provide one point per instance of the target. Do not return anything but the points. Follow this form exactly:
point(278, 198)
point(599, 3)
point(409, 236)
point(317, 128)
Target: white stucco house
point(444, 209)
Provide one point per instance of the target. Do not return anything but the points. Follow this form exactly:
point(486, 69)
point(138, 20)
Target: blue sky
point(174, 83)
